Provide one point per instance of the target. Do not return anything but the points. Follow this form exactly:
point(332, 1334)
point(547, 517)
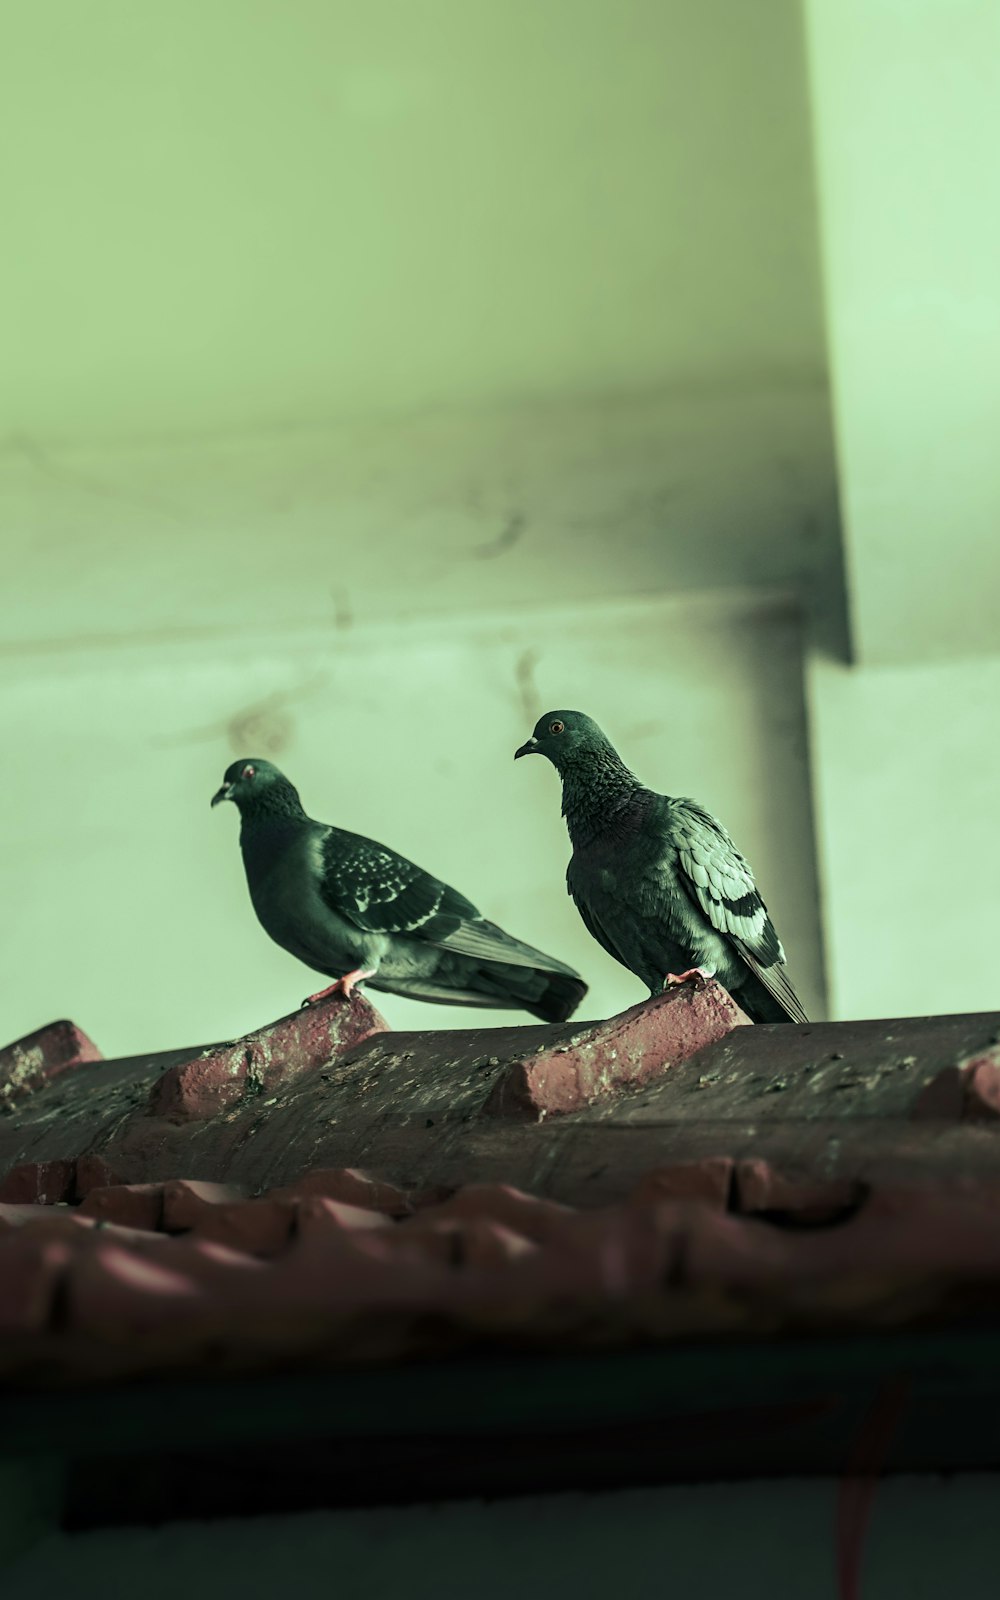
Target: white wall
point(906, 110)
point(220, 214)
point(325, 320)
point(132, 914)
point(907, 793)
point(442, 513)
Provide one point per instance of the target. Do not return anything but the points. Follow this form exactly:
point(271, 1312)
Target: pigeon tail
point(549, 996)
point(560, 999)
point(762, 1003)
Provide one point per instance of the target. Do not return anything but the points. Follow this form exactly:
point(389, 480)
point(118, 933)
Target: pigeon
point(359, 913)
point(657, 880)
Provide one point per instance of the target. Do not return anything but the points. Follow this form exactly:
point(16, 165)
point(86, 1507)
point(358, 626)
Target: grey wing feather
point(485, 941)
point(378, 890)
point(442, 994)
point(719, 879)
point(382, 892)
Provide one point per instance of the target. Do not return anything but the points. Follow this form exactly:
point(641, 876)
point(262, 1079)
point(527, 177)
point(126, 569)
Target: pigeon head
point(255, 785)
point(566, 737)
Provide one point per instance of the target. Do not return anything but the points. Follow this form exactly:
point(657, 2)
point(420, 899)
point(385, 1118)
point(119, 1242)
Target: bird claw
point(698, 976)
point(343, 986)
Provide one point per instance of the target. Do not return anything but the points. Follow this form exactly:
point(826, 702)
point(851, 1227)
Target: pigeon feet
point(699, 976)
point(343, 986)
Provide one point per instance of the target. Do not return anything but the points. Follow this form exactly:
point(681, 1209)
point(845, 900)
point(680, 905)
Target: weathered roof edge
point(578, 1112)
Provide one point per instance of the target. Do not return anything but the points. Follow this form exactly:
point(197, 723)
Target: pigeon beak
point(529, 749)
point(225, 793)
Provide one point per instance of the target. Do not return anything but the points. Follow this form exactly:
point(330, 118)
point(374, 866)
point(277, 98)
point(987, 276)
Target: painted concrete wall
point(222, 214)
point(166, 590)
point(906, 109)
point(446, 513)
point(133, 913)
point(907, 789)
point(329, 320)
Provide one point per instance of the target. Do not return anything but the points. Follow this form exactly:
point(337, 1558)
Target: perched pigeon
point(658, 882)
point(356, 911)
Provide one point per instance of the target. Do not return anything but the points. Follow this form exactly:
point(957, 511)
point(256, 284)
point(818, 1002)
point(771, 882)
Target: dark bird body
point(657, 880)
point(354, 910)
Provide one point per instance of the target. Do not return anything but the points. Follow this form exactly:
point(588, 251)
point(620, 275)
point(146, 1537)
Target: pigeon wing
point(719, 880)
point(382, 892)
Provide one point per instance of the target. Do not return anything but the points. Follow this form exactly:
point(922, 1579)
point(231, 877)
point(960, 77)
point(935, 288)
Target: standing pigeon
point(658, 882)
point(356, 911)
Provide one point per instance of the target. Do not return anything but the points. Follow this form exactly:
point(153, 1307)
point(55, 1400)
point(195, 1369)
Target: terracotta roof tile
point(39, 1182)
point(327, 1192)
point(757, 1189)
point(351, 1186)
point(261, 1063)
point(135, 1205)
point(32, 1269)
point(257, 1227)
point(710, 1181)
point(624, 1052)
point(981, 1085)
point(41, 1056)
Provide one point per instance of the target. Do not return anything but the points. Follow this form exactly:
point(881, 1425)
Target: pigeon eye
point(248, 771)
point(556, 727)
